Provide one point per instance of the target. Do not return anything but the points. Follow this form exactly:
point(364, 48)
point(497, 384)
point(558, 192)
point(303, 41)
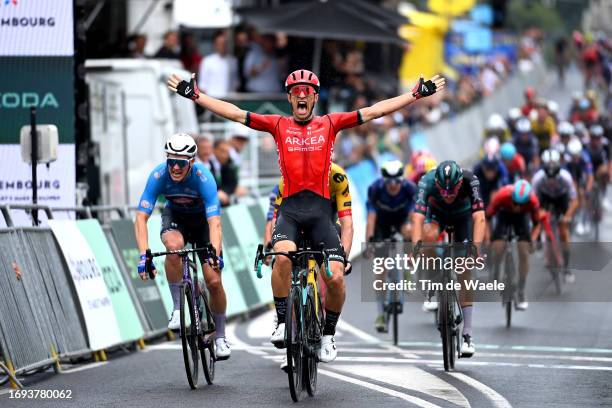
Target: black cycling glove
point(423, 88)
point(188, 89)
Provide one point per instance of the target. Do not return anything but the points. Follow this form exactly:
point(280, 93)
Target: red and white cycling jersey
point(304, 150)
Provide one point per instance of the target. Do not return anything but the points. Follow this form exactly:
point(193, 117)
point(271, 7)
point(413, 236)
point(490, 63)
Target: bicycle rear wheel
point(207, 346)
point(189, 336)
point(293, 341)
point(312, 337)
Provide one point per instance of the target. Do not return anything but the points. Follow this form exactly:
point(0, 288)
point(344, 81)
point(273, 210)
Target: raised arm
point(190, 90)
point(420, 90)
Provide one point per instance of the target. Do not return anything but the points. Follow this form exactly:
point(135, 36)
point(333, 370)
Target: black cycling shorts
point(386, 226)
point(193, 227)
point(505, 220)
point(312, 214)
point(558, 206)
point(462, 225)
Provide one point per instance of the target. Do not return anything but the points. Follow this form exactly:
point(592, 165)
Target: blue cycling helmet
point(520, 194)
point(508, 151)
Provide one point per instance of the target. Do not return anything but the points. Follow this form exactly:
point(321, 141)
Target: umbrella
point(331, 19)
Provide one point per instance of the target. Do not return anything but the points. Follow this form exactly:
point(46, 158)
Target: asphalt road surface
point(556, 354)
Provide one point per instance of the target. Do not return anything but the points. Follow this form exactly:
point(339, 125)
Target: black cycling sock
point(566, 256)
point(280, 303)
point(331, 319)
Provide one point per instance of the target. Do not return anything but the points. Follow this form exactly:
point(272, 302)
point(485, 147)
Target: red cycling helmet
point(530, 92)
point(302, 77)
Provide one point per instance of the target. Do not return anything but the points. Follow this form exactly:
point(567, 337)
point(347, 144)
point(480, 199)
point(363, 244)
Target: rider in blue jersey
point(390, 203)
point(191, 214)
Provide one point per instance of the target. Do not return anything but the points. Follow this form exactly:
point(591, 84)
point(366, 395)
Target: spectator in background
point(260, 65)
point(219, 71)
point(190, 55)
point(206, 157)
point(136, 46)
point(238, 141)
point(170, 48)
point(228, 172)
point(562, 58)
point(241, 47)
point(488, 79)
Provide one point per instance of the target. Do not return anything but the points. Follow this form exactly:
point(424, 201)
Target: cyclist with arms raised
point(192, 214)
point(305, 143)
point(450, 196)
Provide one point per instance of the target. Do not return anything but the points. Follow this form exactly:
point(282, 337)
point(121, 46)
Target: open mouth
point(302, 108)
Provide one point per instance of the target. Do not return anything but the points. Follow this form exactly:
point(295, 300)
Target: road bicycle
point(197, 325)
point(305, 314)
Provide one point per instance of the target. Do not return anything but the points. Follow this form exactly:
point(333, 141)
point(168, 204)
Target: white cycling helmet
point(553, 107)
point(181, 144)
point(565, 129)
point(496, 122)
point(574, 147)
point(392, 169)
point(551, 156)
point(523, 125)
point(514, 114)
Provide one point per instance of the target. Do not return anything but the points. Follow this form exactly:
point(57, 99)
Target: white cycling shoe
point(430, 306)
point(222, 349)
point(328, 351)
point(175, 320)
point(278, 336)
point(467, 347)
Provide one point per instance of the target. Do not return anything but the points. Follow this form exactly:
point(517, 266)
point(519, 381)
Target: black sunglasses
point(182, 163)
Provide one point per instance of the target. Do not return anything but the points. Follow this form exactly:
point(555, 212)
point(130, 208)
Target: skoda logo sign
point(16, 100)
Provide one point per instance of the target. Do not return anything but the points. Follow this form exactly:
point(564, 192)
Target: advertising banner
point(25, 82)
point(125, 312)
point(146, 291)
point(36, 27)
point(251, 235)
point(98, 313)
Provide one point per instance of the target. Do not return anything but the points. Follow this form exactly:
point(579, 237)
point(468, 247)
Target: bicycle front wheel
point(189, 336)
point(508, 293)
point(312, 337)
point(446, 332)
point(293, 341)
point(207, 346)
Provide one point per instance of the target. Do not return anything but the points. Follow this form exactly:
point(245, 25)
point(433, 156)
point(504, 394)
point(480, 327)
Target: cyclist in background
point(497, 127)
point(598, 150)
point(420, 164)
point(579, 165)
point(492, 174)
point(586, 113)
point(451, 196)
point(390, 203)
point(305, 143)
point(192, 214)
point(514, 114)
point(555, 189)
point(530, 101)
point(514, 162)
point(543, 126)
point(526, 144)
point(270, 217)
point(512, 206)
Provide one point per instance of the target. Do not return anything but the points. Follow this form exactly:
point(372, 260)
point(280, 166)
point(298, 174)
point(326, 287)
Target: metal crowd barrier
point(41, 322)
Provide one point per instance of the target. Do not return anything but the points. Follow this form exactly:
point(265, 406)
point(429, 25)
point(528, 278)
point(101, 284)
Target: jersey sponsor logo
point(305, 141)
point(146, 205)
point(212, 209)
point(157, 175)
point(347, 204)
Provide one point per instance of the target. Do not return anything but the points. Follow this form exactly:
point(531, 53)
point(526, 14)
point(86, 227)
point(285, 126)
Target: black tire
point(554, 268)
point(293, 341)
point(207, 346)
point(445, 330)
point(312, 337)
point(394, 305)
point(508, 294)
point(189, 337)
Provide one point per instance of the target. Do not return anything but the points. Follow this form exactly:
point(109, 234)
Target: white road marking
point(83, 368)
point(368, 338)
point(493, 396)
point(262, 326)
point(530, 356)
point(551, 349)
point(415, 400)
point(230, 333)
point(410, 378)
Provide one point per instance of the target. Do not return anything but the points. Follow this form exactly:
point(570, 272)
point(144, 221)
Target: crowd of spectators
point(259, 63)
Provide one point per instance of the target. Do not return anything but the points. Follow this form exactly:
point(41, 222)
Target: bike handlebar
point(208, 250)
point(293, 256)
